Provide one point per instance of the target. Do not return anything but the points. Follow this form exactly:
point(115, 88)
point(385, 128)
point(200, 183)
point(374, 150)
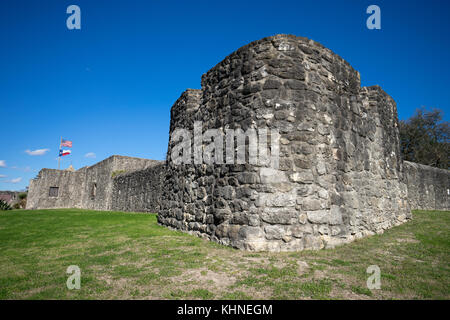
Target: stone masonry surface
point(428, 187)
point(340, 174)
point(89, 187)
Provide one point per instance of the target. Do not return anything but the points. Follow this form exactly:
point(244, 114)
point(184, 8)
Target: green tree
point(424, 138)
point(23, 200)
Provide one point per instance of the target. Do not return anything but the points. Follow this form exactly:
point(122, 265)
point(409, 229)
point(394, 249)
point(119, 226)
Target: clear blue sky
point(109, 86)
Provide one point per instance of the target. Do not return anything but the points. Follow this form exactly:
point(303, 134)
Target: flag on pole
point(66, 143)
point(64, 152)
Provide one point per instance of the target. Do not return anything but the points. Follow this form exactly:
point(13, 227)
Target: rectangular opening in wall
point(93, 190)
point(53, 192)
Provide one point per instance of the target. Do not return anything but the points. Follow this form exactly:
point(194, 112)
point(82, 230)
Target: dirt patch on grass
point(217, 281)
point(408, 240)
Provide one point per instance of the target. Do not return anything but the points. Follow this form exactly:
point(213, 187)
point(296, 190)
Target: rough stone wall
point(139, 190)
point(100, 175)
point(428, 187)
point(340, 175)
point(76, 188)
point(70, 186)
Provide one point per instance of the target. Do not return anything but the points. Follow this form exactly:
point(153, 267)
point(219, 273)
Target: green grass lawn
point(128, 256)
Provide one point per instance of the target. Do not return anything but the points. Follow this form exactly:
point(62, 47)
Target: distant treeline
point(424, 138)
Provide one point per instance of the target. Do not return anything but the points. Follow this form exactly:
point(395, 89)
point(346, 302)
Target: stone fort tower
point(340, 174)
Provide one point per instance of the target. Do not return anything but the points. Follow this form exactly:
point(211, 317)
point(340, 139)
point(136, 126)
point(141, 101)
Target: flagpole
point(59, 155)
